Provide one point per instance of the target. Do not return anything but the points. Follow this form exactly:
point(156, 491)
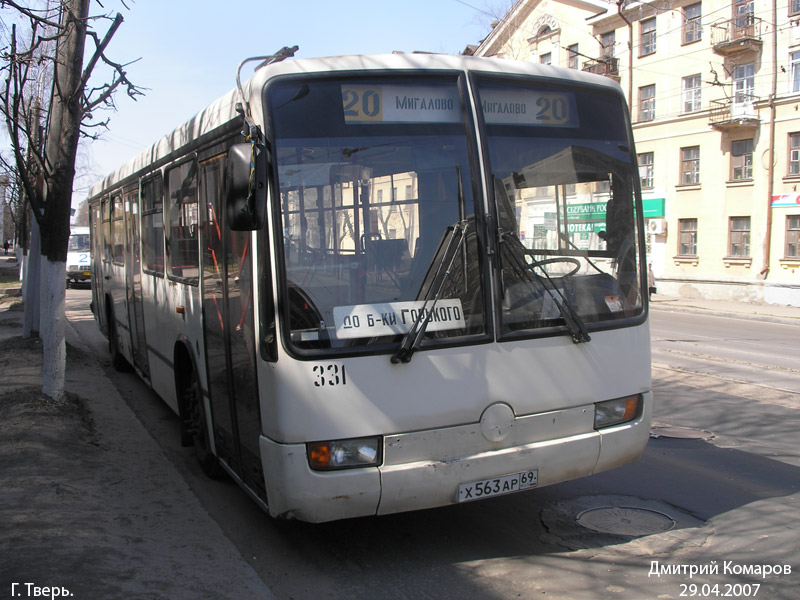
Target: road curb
point(727, 314)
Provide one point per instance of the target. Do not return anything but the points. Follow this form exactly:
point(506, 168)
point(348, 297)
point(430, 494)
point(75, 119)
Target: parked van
point(79, 256)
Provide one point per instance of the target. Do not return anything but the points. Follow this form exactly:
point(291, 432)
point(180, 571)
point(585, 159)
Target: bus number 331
point(329, 375)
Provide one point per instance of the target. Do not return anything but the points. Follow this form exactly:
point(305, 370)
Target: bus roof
point(223, 110)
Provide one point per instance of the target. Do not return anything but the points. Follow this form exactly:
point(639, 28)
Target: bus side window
point(117, 240)
point(106, 212)
point(182, 239)
point(152, 225)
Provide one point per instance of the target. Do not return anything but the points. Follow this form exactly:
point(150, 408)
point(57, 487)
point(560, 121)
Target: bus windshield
point(376, 189)
point(78, 242)
point(564, 187)
point(379, 205)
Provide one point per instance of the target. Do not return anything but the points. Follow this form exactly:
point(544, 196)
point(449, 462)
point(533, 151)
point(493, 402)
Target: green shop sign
point(586, 227)
point(653, 208)
point(581, 217)
point(590, 211)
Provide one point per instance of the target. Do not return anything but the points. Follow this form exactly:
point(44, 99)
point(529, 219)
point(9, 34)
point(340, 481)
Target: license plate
point(498, 486)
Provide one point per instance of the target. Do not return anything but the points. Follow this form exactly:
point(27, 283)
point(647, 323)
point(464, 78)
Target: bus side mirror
point(245, 196)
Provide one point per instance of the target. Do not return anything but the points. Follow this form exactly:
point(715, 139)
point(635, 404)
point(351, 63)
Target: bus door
point(133, 282)
point(115, 246)
point(229, 336)
point(96, 231)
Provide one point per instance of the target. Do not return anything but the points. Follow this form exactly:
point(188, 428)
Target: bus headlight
point(617, 411)
point(344, 454)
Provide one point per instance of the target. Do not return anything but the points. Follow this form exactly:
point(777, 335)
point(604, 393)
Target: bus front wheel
point(198, 426)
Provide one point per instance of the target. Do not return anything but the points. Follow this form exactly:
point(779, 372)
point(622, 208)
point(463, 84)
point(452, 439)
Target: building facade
point(714, 93)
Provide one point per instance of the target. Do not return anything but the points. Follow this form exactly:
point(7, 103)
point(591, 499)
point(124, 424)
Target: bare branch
point(100, 48)
point(31, 14)
point(94, 136)
point(14, 119)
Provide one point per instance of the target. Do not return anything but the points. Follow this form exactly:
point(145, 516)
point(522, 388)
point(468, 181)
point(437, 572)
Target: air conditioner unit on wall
point(656, 226)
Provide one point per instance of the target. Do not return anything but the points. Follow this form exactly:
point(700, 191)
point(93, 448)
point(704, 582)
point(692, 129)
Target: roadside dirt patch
point(45, 449)
point(88, 502)
point(33, 421)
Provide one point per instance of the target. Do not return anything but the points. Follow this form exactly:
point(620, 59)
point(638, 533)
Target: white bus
point(388, 283)
point(79, 256)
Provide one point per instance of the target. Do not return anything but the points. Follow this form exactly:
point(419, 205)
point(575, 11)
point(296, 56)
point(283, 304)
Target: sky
point(188, 53)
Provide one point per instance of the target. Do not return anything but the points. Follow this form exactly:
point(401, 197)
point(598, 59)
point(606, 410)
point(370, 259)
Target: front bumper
point(424, 469)
point(76, 274)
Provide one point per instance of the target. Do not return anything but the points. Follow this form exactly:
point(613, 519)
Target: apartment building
point(714, 93)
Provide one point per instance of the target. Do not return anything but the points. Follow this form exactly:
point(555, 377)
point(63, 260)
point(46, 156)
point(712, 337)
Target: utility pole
point(771, 150)
point(630, 54)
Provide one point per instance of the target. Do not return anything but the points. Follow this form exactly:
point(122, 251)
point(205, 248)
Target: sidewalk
point(89, 502)
point(789, 315)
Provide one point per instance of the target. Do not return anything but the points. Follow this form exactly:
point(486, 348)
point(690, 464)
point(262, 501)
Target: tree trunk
point(31, 284)
point(53, 296)
point(66, 114)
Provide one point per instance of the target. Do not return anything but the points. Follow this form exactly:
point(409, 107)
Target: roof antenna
point(282, 54)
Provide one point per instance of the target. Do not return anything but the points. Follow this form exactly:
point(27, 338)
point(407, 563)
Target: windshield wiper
point(574, 323)
point(409, 343)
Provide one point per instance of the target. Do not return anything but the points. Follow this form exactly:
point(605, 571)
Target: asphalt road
point(753, 351)
point(723, 468)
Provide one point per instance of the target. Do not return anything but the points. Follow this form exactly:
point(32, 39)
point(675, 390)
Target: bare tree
point(491, 13)
point(82, 214)
point(9, 199)
point(45, 165)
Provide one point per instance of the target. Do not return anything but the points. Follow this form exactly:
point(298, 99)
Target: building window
point(739, 237)
point(743, 87)
point(687, 244)
point(793, 236)
point(691, 93)
point(572, 56)
point(743, 11)
point(794, 71)
point(546, 58)
point(646, 169)
point(608, 40)
point(647, 103)
point(690, 165)
point(794, 154)
point(742, 159)
point(647, 41)
point(794, 7)
point(692, 28)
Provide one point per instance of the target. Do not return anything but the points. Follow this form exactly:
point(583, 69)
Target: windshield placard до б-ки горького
point(391, 318)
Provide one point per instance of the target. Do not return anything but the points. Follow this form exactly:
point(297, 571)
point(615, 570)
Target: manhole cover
point(684, 433)
point(625, 520)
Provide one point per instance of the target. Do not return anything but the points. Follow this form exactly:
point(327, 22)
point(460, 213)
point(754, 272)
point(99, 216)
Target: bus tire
point(196, 414)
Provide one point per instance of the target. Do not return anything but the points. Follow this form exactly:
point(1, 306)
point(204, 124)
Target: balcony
point(607, 66)
point(740, 34)
point(730, 114)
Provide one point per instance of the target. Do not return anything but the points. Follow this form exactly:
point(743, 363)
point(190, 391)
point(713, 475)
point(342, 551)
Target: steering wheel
point(556, 259)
